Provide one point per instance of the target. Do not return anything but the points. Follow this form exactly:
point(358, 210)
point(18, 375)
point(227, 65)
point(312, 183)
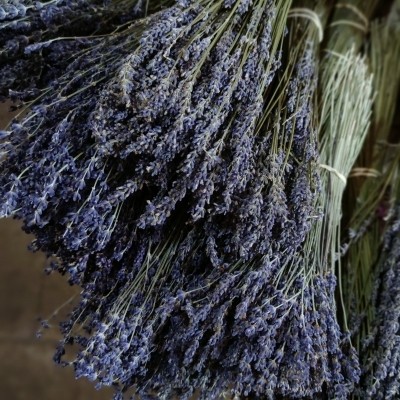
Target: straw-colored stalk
point(372, 196)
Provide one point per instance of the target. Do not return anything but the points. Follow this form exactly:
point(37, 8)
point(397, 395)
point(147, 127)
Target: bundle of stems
point(194, 334)
point(372, 204)
point(187, 168)
point(38, 39)
point(378, 308)
point(350, 24)
point(372, 194)
point(344, 120)
point(346, 98)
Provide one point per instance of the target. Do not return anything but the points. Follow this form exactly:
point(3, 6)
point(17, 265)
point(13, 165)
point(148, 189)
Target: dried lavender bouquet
point(192, 345)
point(38, 40)
point(173, 170)
point(189, 329)
point(83, 242)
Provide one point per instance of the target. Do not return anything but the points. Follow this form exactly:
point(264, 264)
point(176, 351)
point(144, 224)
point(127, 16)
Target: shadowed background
point(27, 371)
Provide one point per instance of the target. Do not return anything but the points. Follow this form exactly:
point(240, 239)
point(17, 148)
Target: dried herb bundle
point(187, 164)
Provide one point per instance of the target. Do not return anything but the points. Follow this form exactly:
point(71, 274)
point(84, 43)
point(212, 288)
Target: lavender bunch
point(100, 186)
point(381, 348)
point(105, 244)
point(175, 336)
point(38, 39)
point(185, 139)
point(48, 159)
point(176, 178)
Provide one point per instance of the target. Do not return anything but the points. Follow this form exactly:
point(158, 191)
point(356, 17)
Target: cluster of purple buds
point(174, 179)
point(381, 363)
point(39, 39)
point(48, 158)
point(230, 333)
point(257, 341)
point(182, 120)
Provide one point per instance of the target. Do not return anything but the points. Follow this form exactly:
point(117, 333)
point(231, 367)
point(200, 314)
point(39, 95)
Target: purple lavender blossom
point(380, 379)
point(156, 172)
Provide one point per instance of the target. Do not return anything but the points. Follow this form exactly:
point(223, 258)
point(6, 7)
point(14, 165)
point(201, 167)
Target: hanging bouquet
point(210, 173)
